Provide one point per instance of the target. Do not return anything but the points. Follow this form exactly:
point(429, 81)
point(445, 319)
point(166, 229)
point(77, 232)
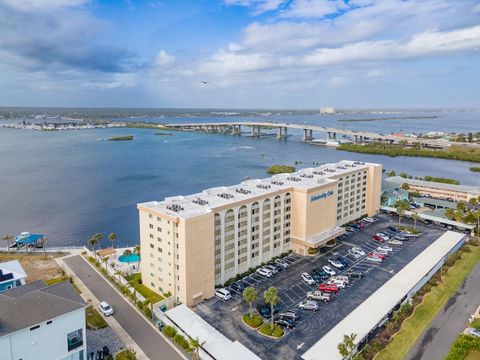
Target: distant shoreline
point(391, 118)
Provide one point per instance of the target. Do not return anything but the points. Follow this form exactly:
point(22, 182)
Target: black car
point(316, 277)
point(345, 261)
point(238, 286)
point(263, 310)
point(283, 322)
point(355, 274)
point(393, 228)
point(290, 322)
point(323, 275)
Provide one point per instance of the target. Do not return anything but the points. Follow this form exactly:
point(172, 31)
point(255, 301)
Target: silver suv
point(319, 295)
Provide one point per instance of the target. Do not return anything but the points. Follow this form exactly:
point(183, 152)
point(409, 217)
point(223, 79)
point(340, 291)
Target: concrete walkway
point(437, 339)
point(151, 342)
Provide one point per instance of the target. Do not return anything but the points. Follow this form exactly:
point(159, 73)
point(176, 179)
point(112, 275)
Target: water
point(129, 258)
point(69, 185)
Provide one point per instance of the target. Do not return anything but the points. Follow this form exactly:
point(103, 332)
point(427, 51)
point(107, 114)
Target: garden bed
point(253, 322)
point(274, 332)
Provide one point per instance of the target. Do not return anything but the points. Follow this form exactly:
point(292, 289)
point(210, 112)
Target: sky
point(240, 53)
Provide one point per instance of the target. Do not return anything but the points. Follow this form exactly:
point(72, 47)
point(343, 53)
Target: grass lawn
point(135, 280)
point(413, 327)
point(267, 329)
point(94, 319)
point(126, 354)
point(253, 322)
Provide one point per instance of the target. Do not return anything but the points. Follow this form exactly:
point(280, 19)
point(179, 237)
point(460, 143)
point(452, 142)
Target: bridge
point(256, 127)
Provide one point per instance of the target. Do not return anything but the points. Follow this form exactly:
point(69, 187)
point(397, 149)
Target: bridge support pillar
point(335, 135)
point(329, 134)
point(355, 139)
point(307, 134)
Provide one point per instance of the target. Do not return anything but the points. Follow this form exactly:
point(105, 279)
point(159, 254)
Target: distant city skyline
point(276, 54)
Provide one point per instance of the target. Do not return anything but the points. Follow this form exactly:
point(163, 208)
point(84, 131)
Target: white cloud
point(163, 59)
point(42, 5)
point(314, 8)
point(259, 6)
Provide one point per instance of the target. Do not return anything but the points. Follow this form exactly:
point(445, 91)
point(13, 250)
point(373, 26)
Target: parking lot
point(225, 316)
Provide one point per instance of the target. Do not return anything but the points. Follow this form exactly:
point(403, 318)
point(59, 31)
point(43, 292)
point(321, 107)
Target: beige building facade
point(191, 243)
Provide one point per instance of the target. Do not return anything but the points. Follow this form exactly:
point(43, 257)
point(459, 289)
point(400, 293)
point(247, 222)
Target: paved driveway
point(436, 340)
point(152, 344)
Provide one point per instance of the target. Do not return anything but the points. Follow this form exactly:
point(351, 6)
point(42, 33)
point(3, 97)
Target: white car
point(336, 263)
point(307, 278)
point(385, 248)
point(355, 254)
point(369, 219)
point(223, 294)
point(329, 270)
point(264, 272)
point(272, 268)
point(359, 251)
point(281, 262)
point(343, 278)
point(338, 282)
point(395, 242)
point(106, 309)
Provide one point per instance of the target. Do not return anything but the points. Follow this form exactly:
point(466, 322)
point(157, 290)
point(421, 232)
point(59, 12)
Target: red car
point(378, 238)
point(329, 288)
point(377, 255)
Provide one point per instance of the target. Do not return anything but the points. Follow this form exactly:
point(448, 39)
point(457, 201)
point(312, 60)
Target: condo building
point(191, 243)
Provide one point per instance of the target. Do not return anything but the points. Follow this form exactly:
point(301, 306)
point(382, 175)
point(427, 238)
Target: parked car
point(319, 295)
point(316, 277)
point(308, 305)
point(263, 310)
point(284, 322)
point(339, 283)
point(328, 288)
point(343, 278)
point(238, 286)
point(106, 309)
point(380, 254)
point(395, 242)
point(336, 263)
point(401, 237)
point(329, 270)
point(378, 238)
point(264, 272)
point(307, 279)
point(344, 261)
point(383, 236)
point(410, 235)
point(223, 294)
point(359, 251)
point(393, 228)
point(355, 254)
point(320, 272)
point(374, 259)
point(291, 313)
point(369, 219)
point(355, 274)
point(272, 268)
point(385, 248)
point(282, 263)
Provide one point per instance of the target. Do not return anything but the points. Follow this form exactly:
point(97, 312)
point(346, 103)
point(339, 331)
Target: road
point(152, 343)
point(437, 339)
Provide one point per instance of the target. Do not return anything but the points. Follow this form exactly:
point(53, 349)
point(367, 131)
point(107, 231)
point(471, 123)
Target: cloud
point(314, 8)
point(259, 6)
point(163, 59)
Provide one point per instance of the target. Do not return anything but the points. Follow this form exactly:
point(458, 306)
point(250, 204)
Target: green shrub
point(462, 346)
point(147, 312)
point(180, 340)
point(467, 249)
point(169, 331)
point(254, 321)
point(312, 251)
point(140, 304)
point(268, 329)
point(474, 242)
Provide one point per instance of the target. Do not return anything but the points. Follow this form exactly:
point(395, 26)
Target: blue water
point(69, 185)
point(129, 258)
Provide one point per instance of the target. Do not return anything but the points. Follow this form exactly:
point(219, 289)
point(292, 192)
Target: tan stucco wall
point(374, 189)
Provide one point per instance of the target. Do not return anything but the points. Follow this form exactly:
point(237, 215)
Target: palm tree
point(271, 298)
point(401, 207)
point(136, 250)
point(112, 237)
point(415, 218)
point(118, 273)
point(346, 347)
point(250, 295)
point(7, 238)
point(105, 261)
point(99, 237)
point(450, 213)
point(196, 345)
point(93, 243)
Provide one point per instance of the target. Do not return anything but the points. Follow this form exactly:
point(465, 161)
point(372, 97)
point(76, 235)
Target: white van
point(341, 284)
point(223, 294)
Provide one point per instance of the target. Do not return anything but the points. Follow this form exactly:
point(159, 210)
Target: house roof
point(435, 185)
point(35, 303)
point(12, 267)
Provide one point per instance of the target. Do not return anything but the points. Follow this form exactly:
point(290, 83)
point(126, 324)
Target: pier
point(255, 130)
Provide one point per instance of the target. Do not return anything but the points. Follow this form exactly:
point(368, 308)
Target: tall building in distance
point(191, 243)
point(327, 111)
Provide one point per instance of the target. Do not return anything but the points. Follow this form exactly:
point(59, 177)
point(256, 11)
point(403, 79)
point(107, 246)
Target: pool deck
point(127, 268)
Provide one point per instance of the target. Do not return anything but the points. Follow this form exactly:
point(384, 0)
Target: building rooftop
point(382, 301)
point(210, 199)
point(11, 270)
point(34, 303)
point(435, 185)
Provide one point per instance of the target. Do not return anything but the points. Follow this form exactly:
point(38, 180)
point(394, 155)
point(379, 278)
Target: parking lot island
point(197, 242)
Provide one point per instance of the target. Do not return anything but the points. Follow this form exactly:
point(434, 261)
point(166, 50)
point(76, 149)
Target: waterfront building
point(42, 322)
point(327, 110)
point(392, 192)
point(11, 275)
point(191, 243)
point(438, 190)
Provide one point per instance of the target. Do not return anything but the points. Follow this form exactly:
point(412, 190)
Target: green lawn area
point(126, 354)
point(94, 319)
point(414, 326)
point(135, 280)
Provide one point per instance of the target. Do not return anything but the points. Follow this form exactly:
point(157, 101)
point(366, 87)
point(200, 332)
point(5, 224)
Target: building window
point(152, 246)
point(49, 322)
point(34, 327)
point(75, 339)
point(150, 216)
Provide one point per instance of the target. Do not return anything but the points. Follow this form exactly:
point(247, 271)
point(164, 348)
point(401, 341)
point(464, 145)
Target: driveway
point(437, 339)
point(149, 340)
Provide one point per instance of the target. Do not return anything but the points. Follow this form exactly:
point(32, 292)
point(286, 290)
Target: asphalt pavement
point(437, 339)
point(146, 337)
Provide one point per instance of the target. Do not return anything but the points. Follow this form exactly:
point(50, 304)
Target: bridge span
point(256, 127)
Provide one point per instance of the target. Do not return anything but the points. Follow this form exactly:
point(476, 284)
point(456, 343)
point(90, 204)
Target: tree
point(415, 218)
point(118, 273)
point(136, 250)
point(7, 238)
point(461, 206)
point(401, 206)
point(473, 201)
point(346, 347)
point(391, 173)
point(271, 298)
point(112, 237)
point(450, 213)
point(93, 243)
point(196, 345)
point(405, 186)
point(250, 295)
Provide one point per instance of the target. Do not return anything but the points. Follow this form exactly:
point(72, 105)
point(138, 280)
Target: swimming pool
point(129, 258)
